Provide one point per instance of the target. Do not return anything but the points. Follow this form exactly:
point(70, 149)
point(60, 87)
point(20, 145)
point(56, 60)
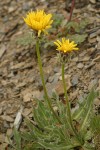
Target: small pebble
point(75, 80)
point(80, 66)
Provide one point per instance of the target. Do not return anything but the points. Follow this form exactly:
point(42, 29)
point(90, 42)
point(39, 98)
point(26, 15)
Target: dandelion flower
point(65, 46)
point(38, 21)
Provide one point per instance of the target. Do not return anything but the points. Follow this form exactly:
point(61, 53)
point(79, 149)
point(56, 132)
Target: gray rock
point(1, 110)
point(50, 79)
point(56, 69)
point(7, 118)
point(6, 125)
point(75, 80)
point(92, 35)
point(80, 65)
point(25, 6)
point(56, 77)
point(93, 83)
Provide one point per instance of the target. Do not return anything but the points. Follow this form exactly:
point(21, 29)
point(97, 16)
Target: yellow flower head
point(66, 45)
point(38, 21)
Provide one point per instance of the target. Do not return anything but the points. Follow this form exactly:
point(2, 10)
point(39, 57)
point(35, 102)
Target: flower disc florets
point(38, 21)
point(65, 46)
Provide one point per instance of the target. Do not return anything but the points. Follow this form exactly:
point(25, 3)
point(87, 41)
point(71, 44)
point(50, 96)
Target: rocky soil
point(20, 81)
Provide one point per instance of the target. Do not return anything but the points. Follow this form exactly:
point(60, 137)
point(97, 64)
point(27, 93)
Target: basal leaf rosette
point(39, 21)
point(65, 45)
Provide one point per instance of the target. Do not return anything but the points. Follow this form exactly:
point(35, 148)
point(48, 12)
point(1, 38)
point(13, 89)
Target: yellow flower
point(65, 45)
point(38, 21)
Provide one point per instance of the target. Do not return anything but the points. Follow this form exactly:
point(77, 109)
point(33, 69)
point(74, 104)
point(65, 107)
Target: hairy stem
point(67, 103)
point(43, 81)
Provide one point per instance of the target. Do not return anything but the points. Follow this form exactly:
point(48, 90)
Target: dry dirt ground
point(19, 75)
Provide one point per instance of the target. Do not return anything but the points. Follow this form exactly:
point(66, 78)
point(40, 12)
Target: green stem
point(43, 81)
point(67, 101)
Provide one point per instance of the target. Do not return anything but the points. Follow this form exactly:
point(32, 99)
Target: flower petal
point(65, 45)
point(38, 20)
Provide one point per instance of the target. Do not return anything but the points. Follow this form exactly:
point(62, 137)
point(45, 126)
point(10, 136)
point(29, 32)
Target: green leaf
point(88, 135)
point(26, 39)
point(77, 26)
point(28, 136)
point(84, 106)
point(57, 19)
point(43, 115)
point(54, 146)
point(29, 124)
point(33, 146)
point(88, 146)
point(78, 112)
point(72, 24)
point(17, 138)
point(77, 38)
point(37, 120)
point(95, 124)
point(87, 112)
point(83, 23)
point(48, 134)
